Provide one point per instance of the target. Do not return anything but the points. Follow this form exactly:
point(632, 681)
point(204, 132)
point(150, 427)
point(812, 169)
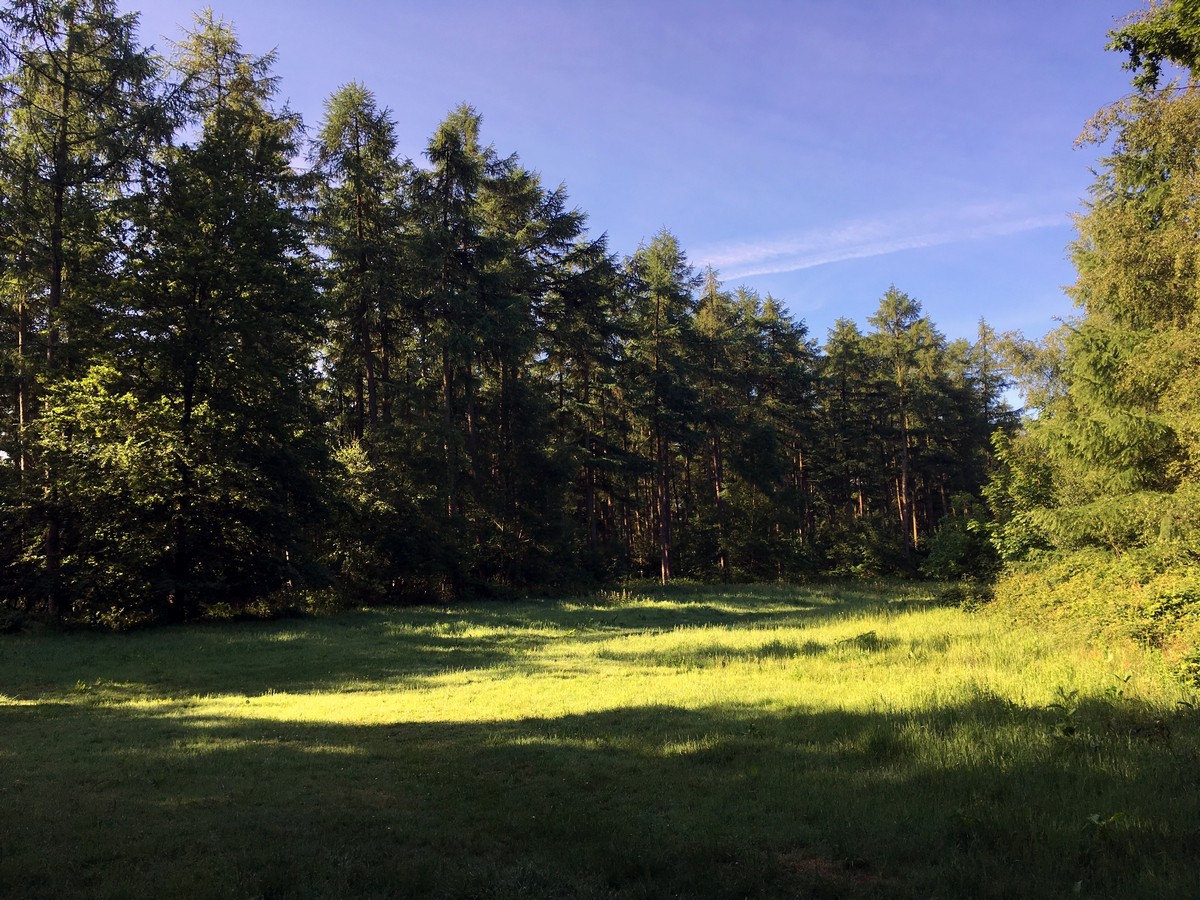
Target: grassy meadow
point(823, 741)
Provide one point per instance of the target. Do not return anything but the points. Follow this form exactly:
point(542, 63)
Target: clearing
point(755, 741)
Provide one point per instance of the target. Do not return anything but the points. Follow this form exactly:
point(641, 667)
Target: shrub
point(1148, 597)
point(967, 593)
point(960, 547)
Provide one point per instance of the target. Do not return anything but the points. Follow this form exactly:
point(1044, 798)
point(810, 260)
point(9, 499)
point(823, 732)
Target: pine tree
point(720, 333)
point(448, 243)
point(360, 224)
point(492, 259)
point(847, 417)
point(220, 336)
point(80, 107)
point(578, 364)
point(663, 396)
point(907, 347)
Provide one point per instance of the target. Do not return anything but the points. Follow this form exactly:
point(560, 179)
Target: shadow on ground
point(983, 799)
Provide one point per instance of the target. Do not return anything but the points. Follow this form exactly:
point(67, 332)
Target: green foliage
point(1150, 597)
point(961, 547)
point(1099, 493)
point(81, 110)
point(1188, 668)
point(11, 621)
point(223, 317)
point(861, 548)
point(1164, 33)
point(366, 521)
point(967, 593)
point(115, 455)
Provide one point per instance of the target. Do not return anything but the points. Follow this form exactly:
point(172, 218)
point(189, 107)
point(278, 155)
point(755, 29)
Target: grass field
point(695, 742)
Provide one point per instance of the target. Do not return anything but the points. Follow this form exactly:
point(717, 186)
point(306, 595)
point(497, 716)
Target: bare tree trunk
point(447, 433)
point(664, 510)
point(907, 519)
point(718, 464)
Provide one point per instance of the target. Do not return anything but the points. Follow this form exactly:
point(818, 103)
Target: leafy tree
point(1166, 33)
point(1098, 495)
point(1123, 436)
point(81, 105)
point(1111, 460)
point(220, 331)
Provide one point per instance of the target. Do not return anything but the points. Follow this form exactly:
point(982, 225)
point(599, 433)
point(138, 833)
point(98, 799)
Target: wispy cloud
point(863, 238)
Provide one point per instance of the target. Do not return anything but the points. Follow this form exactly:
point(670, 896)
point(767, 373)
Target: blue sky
point(818, 151)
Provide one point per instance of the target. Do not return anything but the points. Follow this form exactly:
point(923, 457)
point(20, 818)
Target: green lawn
point(695, 742)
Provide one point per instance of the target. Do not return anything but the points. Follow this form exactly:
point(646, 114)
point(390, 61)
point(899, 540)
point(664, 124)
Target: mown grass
point(697, 742)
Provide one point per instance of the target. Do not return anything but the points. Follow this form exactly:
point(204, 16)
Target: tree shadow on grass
point(982, 799)
point(254, 659)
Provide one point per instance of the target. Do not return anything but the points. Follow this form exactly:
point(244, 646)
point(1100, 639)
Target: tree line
point(239, 361)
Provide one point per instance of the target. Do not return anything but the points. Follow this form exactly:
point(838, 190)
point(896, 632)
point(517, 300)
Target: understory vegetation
point(842, 741)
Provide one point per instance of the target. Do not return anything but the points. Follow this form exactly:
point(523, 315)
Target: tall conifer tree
point(1123, 437)
point(223, 327)
point(661, 358)
point(79, 109)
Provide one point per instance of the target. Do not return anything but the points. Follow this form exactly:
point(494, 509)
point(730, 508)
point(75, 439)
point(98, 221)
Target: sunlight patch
point(558, 741)
point(690, 747)
point(209, 745)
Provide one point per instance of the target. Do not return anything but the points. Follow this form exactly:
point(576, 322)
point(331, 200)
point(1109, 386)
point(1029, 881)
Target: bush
point(863, 548)
point(11, 620)
point(960, 547)
point(1148, 597)
point(967, 593)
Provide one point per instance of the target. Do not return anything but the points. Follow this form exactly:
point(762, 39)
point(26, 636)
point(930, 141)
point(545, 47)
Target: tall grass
point(760, 741)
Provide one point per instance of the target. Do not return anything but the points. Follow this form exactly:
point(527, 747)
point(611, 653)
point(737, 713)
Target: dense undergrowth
point(1110, 600)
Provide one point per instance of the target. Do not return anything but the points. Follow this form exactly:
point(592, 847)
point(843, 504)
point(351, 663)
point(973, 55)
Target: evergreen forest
point(250, 365)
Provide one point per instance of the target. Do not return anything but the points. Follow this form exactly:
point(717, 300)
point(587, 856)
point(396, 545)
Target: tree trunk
point(718, 464)
point(664, 510)
point(448, 433)
point(364, 302)
point(23, 398)
point(907, 519)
